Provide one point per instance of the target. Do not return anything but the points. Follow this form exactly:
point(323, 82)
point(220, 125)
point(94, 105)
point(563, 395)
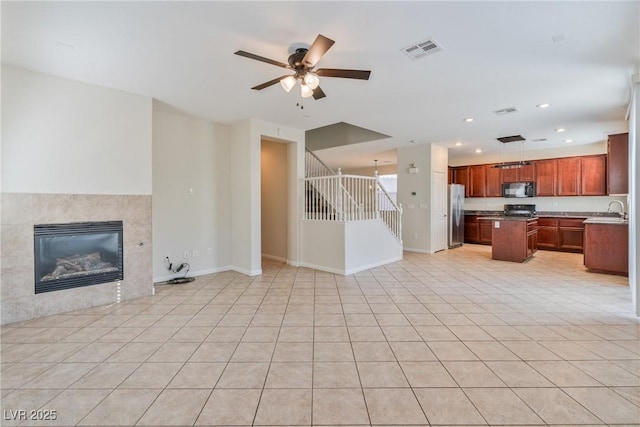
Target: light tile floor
point(446, 339)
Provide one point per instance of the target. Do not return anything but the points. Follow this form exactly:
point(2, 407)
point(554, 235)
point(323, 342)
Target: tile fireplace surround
point(20, 212)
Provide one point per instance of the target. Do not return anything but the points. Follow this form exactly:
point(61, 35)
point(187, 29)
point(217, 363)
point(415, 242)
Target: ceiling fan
point(303, 62)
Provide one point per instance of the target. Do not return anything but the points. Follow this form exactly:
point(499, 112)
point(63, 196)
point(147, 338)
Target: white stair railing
point(351, 198)
point(313, 166)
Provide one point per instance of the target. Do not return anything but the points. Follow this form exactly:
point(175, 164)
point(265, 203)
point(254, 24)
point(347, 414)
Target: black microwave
point(519, 189)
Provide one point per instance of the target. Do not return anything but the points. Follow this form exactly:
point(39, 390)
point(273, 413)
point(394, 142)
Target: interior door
point(439, 212)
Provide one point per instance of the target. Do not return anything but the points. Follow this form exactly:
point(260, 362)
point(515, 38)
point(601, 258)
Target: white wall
point(274, 200)
point(191, 193)
point(417, 209)
point(64, 136)
point(72, 152)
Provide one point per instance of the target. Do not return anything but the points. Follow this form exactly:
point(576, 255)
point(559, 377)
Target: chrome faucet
point(622, 212)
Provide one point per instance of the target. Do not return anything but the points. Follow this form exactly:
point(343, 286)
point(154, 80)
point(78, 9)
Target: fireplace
point(77, 254)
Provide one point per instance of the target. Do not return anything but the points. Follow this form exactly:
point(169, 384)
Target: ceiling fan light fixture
point(305, 91)
point(311, 80)
point(287, 83)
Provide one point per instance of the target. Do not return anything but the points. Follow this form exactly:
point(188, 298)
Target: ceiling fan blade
point(345, 74)
point(261, 59)
point(318, 93)
point(269, 83)
point(319, 47)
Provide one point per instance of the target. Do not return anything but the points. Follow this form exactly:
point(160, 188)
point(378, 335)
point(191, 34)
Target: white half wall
point(347, 247)
point(191, 193)
point(67, 137)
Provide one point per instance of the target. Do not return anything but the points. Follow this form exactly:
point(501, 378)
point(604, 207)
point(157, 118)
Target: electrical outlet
point(209, 251)
point(195, 253)
point(185, 255)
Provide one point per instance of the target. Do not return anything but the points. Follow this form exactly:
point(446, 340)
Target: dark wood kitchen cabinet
point(477, 180)
point(546, 177)
point(494, 181)
point(532, 237)
point(460, 175)
point(547, 233)
point(471, 232)
point(618, 164)
point(571, 234)
point(569, 171)
point(484, 231)
point(594, 175)
point(606, 248)
point(561, 234)
point(524, 174)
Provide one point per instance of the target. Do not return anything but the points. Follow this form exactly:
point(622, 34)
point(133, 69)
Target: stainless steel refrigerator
point(456, 215)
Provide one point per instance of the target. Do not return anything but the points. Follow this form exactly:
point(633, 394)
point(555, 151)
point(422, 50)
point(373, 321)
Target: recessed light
point(468, 119)
point(560, 130)
point(568, 140)
point(458, 144)
point(543, 105)
point(478, 150)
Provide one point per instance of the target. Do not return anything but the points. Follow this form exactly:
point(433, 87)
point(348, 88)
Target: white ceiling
point(496, 55)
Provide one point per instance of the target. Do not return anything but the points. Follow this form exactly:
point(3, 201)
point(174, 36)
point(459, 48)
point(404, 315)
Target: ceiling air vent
point(422, 49)
point(507, 110)
point(512, 138)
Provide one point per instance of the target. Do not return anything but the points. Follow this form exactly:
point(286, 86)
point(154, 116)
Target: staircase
point(331, 196)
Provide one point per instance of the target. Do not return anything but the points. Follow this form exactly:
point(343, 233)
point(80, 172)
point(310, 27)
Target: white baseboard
point(193, 273)
point(321, 268)
point(274, 258)
point(246, 272)
point(420, 251)
point(374, 265)
point(352, 270)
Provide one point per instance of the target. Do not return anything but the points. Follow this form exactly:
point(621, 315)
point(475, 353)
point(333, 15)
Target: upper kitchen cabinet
point(618, 163)
point(494, 181)
point(477, 181)
point(594, 176)
point(524, 174)
point(546, 177)
point(460, 175)
point(569, 174)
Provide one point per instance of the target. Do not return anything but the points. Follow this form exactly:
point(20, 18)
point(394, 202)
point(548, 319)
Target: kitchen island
point(513, 239)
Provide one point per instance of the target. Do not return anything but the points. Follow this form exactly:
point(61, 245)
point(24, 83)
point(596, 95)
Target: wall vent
point(512, 138)
point(539, 139)
point(422, 49)
point(507, 110)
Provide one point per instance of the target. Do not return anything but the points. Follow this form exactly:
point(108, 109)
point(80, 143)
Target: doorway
point(274, 197)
